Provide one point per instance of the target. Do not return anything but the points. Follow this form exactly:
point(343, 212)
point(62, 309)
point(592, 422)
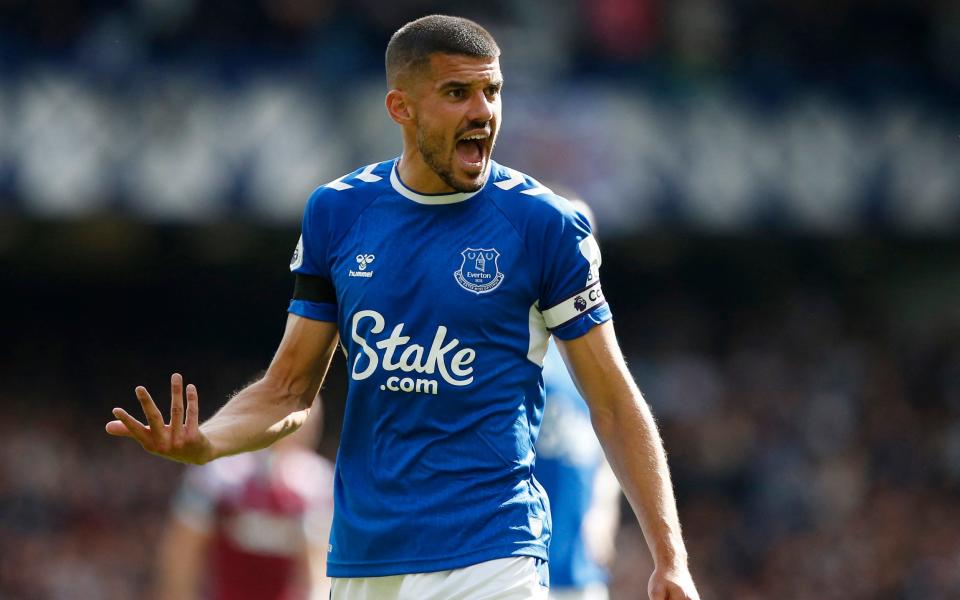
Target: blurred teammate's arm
point(182, 559)
point(630, 440)
point(603, 517)
point(261, 413)
point(319, 583)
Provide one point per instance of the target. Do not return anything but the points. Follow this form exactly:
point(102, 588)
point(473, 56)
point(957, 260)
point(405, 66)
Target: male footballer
point(443, 274)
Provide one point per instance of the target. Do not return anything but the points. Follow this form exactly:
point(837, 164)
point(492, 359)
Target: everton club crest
point(479, 272)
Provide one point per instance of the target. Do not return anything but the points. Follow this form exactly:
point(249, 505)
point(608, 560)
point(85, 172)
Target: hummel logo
point(363, 260)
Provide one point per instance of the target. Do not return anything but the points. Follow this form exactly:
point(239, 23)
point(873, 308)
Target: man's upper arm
point(570, 300)
point(596, 363)
point(304, 354)
point(314, 294)
point(310, 336)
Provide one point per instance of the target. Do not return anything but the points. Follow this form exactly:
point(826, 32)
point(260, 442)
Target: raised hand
point(180, 440)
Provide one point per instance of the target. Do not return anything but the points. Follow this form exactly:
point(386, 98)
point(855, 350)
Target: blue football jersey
point(444, 304)
point(568, 456)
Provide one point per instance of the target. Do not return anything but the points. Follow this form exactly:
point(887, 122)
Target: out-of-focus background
point(777, 186)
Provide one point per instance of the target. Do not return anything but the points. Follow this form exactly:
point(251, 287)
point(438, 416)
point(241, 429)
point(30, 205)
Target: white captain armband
point(570, 309)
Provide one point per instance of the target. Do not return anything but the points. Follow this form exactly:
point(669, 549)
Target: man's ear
point(399, 107)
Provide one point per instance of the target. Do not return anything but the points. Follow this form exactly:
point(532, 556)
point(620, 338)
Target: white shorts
point(596, 591)
point(514, 578)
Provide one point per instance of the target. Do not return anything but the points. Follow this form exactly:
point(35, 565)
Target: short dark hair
point(411, 46)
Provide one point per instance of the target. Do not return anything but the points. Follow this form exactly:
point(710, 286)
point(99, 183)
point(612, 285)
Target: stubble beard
point(440, 161)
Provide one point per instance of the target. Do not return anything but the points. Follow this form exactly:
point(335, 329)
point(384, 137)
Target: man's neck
point(418, 176)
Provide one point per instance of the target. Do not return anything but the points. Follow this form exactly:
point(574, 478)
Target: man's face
point(457, 118)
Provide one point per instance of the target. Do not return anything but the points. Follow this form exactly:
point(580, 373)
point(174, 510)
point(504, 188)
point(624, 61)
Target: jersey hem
point(407, 567)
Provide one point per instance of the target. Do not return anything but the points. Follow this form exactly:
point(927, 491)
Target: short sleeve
point(314, 296)
point(571, 299)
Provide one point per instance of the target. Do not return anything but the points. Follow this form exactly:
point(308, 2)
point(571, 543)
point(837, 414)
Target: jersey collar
point(409, 194)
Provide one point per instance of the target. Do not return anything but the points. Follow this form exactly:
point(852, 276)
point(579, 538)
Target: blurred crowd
point(808, 393)
point(891, 44)
point(810, 402)
point(181, 150)
point(716, 116)
point(80, 519)
point(818, 460)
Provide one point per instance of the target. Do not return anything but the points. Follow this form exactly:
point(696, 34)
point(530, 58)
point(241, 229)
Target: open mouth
point(471, 150)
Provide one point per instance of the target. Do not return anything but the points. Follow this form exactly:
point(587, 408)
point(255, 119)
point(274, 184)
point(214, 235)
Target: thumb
point(117, 428)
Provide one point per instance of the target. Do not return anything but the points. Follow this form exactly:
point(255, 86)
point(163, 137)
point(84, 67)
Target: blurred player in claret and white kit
point(443, 274)
point(583, 491)
point(252, 526)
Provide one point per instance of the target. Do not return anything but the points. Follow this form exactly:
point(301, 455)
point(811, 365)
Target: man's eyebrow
point(454, 84)
point(465, 84)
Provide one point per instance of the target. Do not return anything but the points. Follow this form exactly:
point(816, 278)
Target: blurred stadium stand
point(778, 188)
point(708, 115)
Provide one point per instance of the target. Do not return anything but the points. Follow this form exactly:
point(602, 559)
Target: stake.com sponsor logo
point(443, 358)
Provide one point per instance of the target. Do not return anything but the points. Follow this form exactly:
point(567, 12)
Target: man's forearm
point(275, 405)
point(255, 417)
point(629, 438)
point(635, 451)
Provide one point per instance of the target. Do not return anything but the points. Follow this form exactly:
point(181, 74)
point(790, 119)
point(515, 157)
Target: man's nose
point(481, 107)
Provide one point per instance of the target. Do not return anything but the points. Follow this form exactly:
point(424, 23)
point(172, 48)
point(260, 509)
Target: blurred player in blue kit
point(443, 274)
point(583, 491)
